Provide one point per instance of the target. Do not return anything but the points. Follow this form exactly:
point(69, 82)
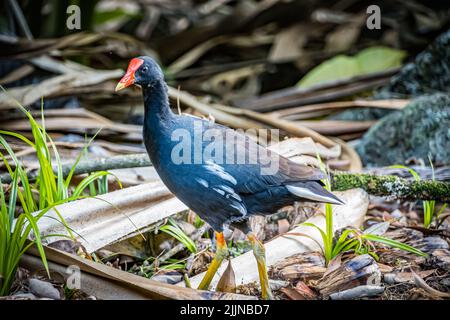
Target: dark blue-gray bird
point(222, 175)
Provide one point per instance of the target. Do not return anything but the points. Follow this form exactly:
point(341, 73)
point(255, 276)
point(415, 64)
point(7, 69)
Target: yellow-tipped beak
point(120, 86)
point(129, 78)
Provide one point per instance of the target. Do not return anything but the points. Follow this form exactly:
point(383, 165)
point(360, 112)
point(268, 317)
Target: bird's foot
point(221, 253)
point(260, 255)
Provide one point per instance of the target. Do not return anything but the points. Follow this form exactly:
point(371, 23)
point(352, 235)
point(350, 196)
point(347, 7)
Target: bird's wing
point(254, 167)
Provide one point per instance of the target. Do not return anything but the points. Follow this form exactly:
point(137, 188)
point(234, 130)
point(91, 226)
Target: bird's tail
point(313, 191)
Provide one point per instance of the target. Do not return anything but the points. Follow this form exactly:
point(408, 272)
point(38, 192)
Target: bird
point(221, 174)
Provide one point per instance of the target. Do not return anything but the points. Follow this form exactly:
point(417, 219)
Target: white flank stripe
point(219, 191)
point(240, 208)
point(308, 194)
point(202, 182)
point(231, 192)
point(219, 171)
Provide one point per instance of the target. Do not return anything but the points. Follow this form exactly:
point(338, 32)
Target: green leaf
point(101, 17)
point(379, 58)
point(369, 60)
point(394, 244)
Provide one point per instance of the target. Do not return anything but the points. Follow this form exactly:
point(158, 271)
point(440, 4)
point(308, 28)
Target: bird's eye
point(144, 69)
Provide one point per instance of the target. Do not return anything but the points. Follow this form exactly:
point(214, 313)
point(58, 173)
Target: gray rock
point(43, 289)
point(421, 128)
point(429, 73)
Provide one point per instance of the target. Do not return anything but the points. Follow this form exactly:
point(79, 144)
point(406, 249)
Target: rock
point(43, 289)
point(360, 271)
point(421, 128)
point(357, 293)
point(428, 73)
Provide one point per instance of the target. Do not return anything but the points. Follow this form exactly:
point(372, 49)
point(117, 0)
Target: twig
point(420, 283)
point(393, 104)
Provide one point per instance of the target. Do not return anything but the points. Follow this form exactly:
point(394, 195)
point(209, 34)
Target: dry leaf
point(227, 282)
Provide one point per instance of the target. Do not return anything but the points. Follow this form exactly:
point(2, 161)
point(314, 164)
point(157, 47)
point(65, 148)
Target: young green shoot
point(174, 230)
point(350, 239)
point(429, 206)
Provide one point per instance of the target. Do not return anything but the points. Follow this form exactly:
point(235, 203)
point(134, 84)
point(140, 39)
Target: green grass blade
point(394, 244)
point(175, 231)
point(411, 171)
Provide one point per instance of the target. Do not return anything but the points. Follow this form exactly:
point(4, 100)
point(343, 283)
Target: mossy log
point(380, 185)
point(392, 186)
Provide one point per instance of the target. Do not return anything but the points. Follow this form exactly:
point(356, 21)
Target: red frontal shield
point(128, 79)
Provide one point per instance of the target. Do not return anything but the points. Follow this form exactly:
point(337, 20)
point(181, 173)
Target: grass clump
point(30, 201)
point(351, 239)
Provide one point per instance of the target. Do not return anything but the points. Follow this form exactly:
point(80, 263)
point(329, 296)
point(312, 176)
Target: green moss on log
point(392, 186)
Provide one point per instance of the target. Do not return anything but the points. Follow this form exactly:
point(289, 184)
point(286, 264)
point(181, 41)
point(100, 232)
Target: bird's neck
point(156, 101)
point(158, 119)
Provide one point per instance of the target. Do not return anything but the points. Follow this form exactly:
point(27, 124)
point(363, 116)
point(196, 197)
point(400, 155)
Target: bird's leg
point(221, 253)
point(260, 255)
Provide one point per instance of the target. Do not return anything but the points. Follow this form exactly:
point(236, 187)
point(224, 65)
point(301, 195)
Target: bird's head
point(143, 71)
